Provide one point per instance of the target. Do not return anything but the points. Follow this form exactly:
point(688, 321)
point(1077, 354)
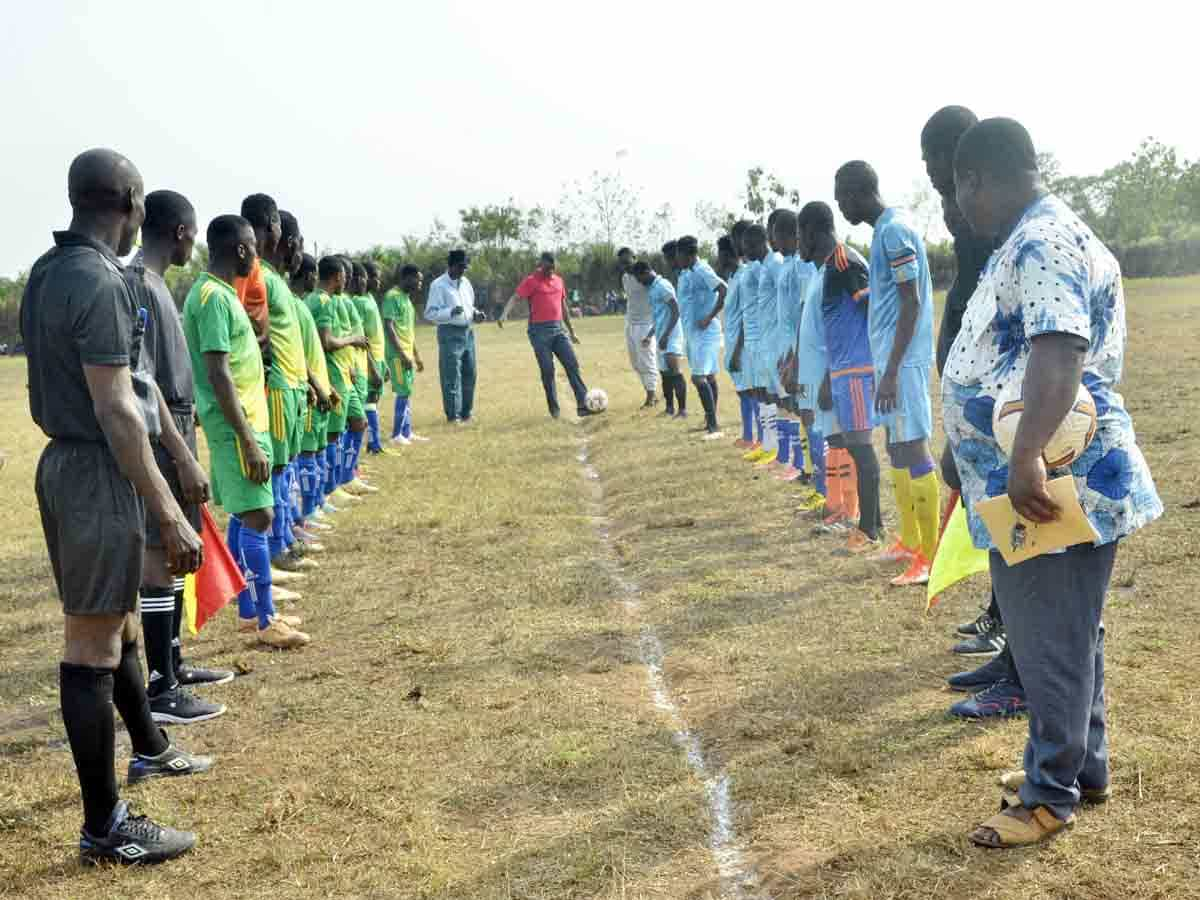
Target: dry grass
point(473, 720)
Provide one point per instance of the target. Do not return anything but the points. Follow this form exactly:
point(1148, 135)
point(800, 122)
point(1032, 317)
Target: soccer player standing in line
point(403, 357)
point(766, 317)
point(639, 329)
point(735, 337)
point(901, 329)
point(232, 405)
point(668, 335)
point(998, 687)
point(368, 311)
point(168, 236)
point(701, 299)
point(450, 305)
point(81, 330)
point(359, 381)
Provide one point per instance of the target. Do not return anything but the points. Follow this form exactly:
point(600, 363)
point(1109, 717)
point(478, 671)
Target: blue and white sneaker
point(134, 840)
point(171, 763)
point(1000, 701)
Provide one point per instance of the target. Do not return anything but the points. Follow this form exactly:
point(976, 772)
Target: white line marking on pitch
point(736, 875)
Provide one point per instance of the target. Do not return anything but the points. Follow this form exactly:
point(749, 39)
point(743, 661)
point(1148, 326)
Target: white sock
point(770, 430)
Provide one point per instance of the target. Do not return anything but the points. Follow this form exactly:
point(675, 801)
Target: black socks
point(158, 624)
point(129, 697)
point(704, 390)
point(86, 695)
point(668, 388)
point(870, 521)
point(680, 391)
point(176, 625)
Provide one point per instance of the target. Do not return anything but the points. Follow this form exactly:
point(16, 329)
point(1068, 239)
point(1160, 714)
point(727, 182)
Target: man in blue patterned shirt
point(1048, 314)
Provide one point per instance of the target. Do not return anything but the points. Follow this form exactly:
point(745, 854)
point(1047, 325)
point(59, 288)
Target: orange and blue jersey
point(845, 300)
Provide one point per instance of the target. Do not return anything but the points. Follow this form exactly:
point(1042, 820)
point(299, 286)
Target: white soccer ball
point(596, 400)
point(1069, 440)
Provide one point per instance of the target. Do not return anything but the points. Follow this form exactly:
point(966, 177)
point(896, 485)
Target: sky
point(369, 119)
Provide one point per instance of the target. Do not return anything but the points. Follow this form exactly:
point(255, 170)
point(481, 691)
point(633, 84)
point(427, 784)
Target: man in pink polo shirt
point(549, 327)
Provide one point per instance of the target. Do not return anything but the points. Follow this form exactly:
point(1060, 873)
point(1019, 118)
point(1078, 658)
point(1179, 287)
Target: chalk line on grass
point(738, 880)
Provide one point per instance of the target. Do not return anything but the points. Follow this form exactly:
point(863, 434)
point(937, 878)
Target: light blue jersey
point(749, 276)
point(697, 295)
point(766, 374)
point(659, 294)
point(898, 256)
point(813, 361)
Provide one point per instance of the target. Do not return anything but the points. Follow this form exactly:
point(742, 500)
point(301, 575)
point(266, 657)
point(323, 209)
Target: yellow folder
point(1019, 539)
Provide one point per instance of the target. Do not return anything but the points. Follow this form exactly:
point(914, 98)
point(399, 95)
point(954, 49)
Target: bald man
point(82, 333)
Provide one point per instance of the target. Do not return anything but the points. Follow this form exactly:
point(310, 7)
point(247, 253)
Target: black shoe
point(995, 669)
point(999, 701)
point(975, 628)
point(193, 675)
point(181, 707)
point(989, 643)
point(134, 840)
point(172, 762)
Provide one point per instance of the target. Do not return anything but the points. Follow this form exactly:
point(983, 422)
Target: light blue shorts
point(742, 379)
point(767, 375)
point(674, 347)
point(806, 396)
point(704, 352)
point(826, 420)
point(913, 418)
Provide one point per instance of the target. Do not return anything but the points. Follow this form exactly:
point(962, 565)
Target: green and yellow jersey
point(288, 367)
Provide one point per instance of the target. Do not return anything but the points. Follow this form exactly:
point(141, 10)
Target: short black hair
point(224, 234)
point(818, 216)
point(786, 223)
point(456, 257)
point(408, 270)
point(329, 267)
point(641, 267)
point(1000, 147)
point(307, 264)
point(773, 215)
point(941, 133)
point(738, 231)
point(165, 212)
point(347, 265)
point(623, 251)
point(547, 257)
point(257, 209)
point(288, 226)
point(687, 245)
point(669, 248)
point(725, 245)
point(756, 231)
point(369, 265)
point(858, 176)
point(360, 271)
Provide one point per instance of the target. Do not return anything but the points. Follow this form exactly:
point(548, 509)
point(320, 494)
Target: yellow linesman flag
point(957, 557)
point(189, 603)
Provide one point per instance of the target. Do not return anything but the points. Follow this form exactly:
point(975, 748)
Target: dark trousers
point(1052, 607)
point(549, 340)
point(456, 366)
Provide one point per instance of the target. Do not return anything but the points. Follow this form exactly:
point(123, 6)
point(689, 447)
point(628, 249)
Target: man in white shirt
point(451, 306)
point(639, 328)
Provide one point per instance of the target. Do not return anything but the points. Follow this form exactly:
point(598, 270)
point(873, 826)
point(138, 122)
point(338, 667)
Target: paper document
point(1019, 539)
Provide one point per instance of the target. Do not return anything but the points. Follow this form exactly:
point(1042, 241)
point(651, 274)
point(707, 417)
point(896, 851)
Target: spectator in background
point(451, 306)
point(639, 328)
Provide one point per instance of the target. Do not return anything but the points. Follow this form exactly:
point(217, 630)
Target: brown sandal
point(1012, 781)
point(1009, 828)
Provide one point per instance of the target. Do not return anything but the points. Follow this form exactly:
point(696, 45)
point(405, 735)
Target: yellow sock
point(910, 532)
point(924, 490)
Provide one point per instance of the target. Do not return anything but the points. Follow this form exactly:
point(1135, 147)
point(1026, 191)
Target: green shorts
point(402, 378)
point(373, 394)
point(335, 422)
point(296, 438)
point(316, 431)
point(356, 407)
point(284, 405)
point(231, 487)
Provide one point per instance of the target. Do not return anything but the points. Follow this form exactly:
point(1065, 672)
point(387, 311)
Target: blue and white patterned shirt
point(1051, 276)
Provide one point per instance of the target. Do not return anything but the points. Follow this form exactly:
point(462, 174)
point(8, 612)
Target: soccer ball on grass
point(596, 400)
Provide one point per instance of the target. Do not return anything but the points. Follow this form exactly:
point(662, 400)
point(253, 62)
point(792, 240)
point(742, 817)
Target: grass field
point(475, 717)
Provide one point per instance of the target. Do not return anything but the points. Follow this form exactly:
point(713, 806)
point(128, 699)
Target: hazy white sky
point(369, 119)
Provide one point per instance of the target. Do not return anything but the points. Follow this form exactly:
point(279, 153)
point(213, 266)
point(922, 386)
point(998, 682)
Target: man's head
point(787, 232)
point(232, 246)
point(360, 279)
point(727, 260)
point(772, 218)
point(995, 173)
point(939, 138)
point(410, 279)
point(669, 252)
point(261, 211)
point(643, 272)
point(332, 274)
point(347, 272)
point(815, 225)
point(306, 275)
point(625, 258)
point(754, 242)
point(457, 263)
point(686, 250)
point(738, 233)
point(106, 188)
point(372, 275)
point(856, 190)
point(291, 241)
point(170, 224)
point(546, 264)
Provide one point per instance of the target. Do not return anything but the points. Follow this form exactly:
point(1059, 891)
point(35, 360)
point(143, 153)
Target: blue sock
point(289, 538)
point(758, 420)
point(233, 540)
point(816, 452)
point(406, 417)
point(747, 410)
point(295, 492)
point(373, 424)
point(360, 440)
point(331, 468)
point(276, 538)
point(785, 441)
point(344, 457)
point(308, 485)
point(256, 561)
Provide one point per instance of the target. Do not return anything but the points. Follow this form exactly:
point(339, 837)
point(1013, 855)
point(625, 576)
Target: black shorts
point(185, 424)
point(93, 521)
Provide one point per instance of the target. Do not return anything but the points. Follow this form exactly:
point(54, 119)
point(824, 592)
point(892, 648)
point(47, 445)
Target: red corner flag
point(218, 580)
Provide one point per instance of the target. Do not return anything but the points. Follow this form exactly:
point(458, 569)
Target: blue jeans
point(1052, 607)
point(549, 340)
point(456, 366)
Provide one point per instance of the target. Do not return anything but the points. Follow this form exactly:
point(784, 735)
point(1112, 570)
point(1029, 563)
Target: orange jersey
point(252, 292)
